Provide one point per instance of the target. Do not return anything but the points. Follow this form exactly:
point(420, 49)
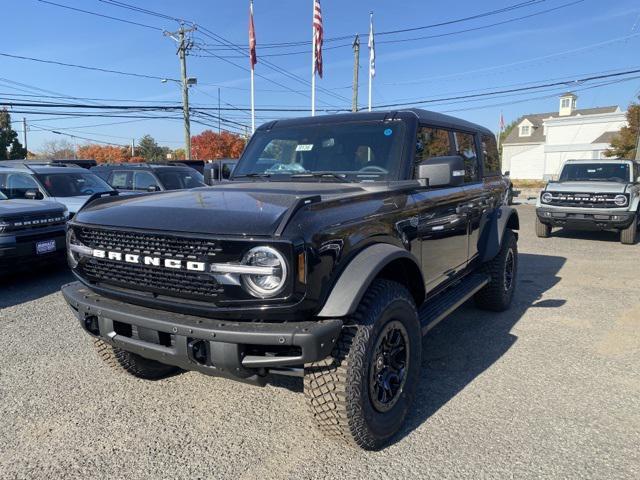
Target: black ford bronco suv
point(31, 232)
point(341, 240)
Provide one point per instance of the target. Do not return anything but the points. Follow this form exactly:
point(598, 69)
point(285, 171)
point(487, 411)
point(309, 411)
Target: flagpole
point(253, 98)
point(370, 47)
point(253, 105)
point(313, 60)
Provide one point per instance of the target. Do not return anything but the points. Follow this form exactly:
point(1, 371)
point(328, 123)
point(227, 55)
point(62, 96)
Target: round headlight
point(270, 284)
point(620, 200)
point(546, 197)
point(71, 240)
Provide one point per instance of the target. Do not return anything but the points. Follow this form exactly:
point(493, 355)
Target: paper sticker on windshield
point(304, 147)
point(388, 132)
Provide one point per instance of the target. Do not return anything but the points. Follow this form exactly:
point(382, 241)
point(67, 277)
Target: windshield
point(73, 184)
point(16, 185)
point(357, 151)
point(180, 179)
point(598, 172)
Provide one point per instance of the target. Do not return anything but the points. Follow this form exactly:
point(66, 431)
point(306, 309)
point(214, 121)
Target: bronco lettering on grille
point(151, 261)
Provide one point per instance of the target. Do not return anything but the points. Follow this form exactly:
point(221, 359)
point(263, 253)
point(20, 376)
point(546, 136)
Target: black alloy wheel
point(388, 366)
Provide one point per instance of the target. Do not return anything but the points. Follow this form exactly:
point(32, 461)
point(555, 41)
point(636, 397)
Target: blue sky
point(570, 42)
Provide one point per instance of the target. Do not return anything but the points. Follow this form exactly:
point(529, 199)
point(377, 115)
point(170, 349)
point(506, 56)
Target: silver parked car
point(71, 185)
point(592, 194)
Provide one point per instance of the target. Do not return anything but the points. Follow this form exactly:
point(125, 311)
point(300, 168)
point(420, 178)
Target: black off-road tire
point(542, 229)
point(503, 268)
point(131, 363)
point(338, 389)
point(629, 236)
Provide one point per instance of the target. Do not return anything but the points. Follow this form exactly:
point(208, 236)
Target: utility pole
point(356, 71)
point(184, 45)
point(219, 118)
point(24, 134)
point(133, 147)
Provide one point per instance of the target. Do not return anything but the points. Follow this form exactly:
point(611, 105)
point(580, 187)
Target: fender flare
point(358, 275)
point(491, 236)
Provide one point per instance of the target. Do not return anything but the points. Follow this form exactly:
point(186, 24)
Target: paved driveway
point(549, 389)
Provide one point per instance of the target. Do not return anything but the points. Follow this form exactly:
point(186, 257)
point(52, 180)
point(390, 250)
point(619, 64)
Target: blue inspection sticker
point(388, 132)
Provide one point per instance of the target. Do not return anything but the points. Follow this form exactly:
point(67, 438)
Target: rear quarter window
point(490, 157)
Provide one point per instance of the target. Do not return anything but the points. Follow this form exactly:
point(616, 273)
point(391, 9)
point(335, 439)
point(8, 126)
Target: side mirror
point(153, 188)
point(442, 171)
point(638, 179)
point(507, 173)
point(33, 195)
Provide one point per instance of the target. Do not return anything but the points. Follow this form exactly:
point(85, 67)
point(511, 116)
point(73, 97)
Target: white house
point(541, 142)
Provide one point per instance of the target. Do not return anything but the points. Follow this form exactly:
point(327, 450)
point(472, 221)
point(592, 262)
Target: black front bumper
point(593, 221)
point(18, 249)
point(244, 351)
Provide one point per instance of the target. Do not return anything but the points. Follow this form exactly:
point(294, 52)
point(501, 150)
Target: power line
point(516, 6)
point(513, 90)
point(77, 136)
point(85, 67)
point(101, 15)
point(519, 62)
point(568, 83)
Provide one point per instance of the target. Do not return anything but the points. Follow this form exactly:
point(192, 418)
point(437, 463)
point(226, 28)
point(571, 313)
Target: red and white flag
point(253, 58)
point(318, 34)
point(501, 123)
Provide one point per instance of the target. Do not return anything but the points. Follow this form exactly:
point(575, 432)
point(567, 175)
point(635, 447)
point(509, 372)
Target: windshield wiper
point(321, 175)
point(253, 175)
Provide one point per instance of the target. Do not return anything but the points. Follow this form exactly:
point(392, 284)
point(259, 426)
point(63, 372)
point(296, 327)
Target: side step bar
point(439, 307)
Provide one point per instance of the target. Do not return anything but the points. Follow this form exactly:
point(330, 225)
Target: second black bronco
point(340, 241)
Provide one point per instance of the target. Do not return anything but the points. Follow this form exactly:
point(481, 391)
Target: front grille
point(149, 244)
point(148, 278)
point(33, 222)
point(584, 200)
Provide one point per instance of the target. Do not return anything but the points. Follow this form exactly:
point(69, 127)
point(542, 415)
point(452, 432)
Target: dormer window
point(525, 131)
point(566, 103)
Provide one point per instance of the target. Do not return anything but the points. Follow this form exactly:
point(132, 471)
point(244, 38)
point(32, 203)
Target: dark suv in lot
point(341, 240)
point(30, 231)
point(149, 177)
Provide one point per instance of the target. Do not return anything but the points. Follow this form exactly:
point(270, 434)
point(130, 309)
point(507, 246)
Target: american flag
point(318, 34)
point(501, 123)
point(253, 58)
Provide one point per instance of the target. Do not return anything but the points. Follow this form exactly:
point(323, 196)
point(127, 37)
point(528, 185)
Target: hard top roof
point(423, 116)
point(142, 166)
point(34, 167)
point(601, 160)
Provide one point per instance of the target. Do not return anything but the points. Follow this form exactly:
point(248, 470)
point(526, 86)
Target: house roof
point(606, 137)
point(537, 135)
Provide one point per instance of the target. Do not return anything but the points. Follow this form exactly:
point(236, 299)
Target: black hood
point(251, 208)
point(14, 208)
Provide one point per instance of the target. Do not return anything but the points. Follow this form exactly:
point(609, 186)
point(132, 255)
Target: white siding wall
point(523, 161)
point(566, 138)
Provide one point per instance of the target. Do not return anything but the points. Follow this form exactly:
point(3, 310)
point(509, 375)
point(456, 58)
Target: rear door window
point(121, 180)
point(227, 169)
point(144, 180)
point(466, 147)
point(490, 156)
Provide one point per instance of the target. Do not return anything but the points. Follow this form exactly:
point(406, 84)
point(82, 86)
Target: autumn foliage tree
point(624, 144)
point(210, 145)
point(104, 153)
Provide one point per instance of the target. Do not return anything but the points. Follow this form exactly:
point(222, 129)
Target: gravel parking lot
point(549, 389)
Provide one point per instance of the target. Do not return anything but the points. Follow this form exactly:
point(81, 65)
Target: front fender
point(491, 236)
point(358, 275)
